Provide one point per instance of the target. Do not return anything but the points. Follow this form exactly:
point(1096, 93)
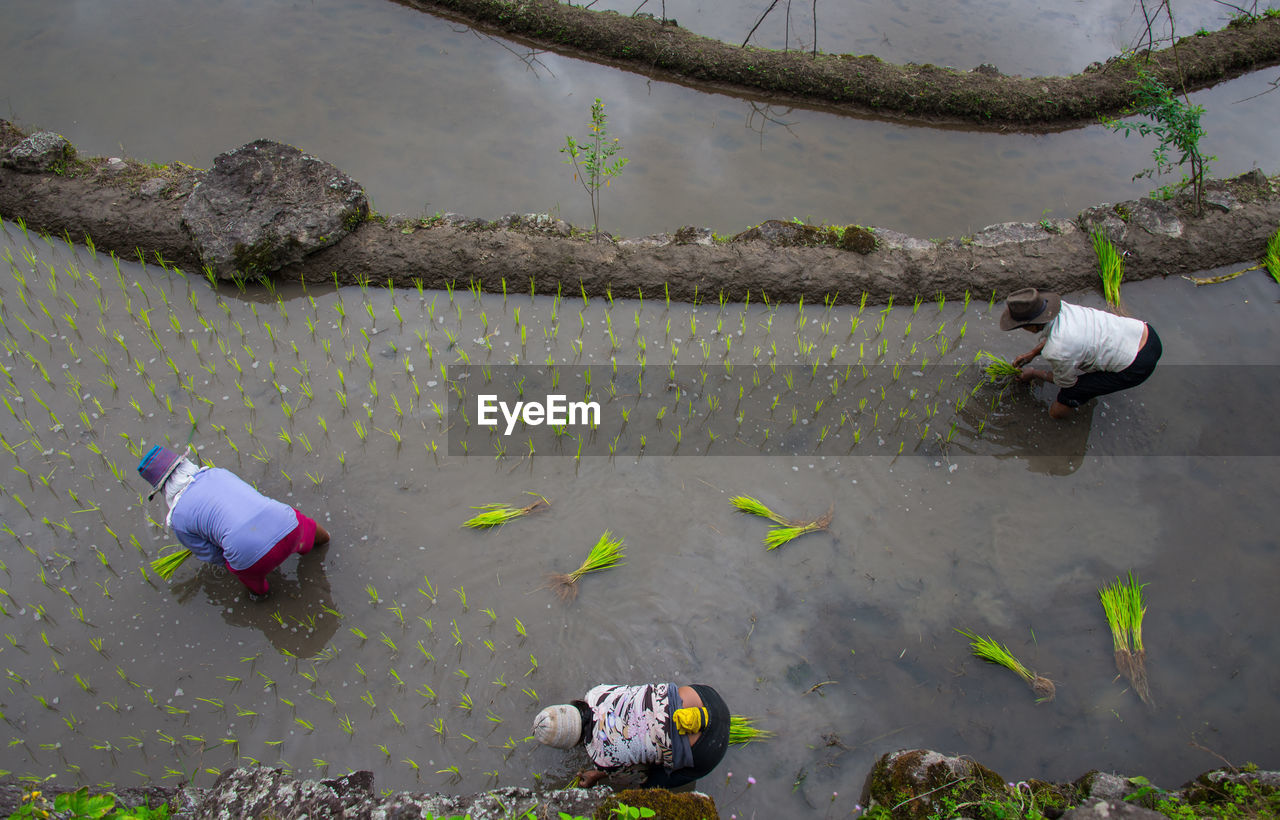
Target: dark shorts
point(1100, 383)
point(300, 540)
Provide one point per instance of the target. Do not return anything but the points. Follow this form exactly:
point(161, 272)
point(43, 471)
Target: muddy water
point(841, 642)
point(430, 117)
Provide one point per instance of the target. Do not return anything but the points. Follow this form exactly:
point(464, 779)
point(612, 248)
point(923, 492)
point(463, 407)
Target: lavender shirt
point(220, 517)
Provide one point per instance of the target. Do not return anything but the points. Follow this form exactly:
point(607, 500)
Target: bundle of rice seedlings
point(1122, 602)
point(777, 536)
point(497, 514)
point(743, 730)
point(1111, 267)
point(1117, 613)
point(755, 507)
point(992, 652)
point(788, 529)
point(166, 565)
point(998, 369)
point(1271, 256)
point(606, 554)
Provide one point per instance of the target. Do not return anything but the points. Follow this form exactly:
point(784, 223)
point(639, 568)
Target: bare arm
point(1026, 358)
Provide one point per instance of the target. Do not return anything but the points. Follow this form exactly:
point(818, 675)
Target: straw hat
point(156, 467)
point(558, 726)
point(1029, 307)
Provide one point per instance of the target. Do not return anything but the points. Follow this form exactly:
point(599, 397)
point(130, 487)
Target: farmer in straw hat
point(1091, 352)
point(221, 519)
point(653, 735)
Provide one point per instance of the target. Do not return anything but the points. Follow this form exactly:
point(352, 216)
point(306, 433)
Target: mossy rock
point(668, 805)
point(915, 784)
point(1239, 788)
point(858, 239)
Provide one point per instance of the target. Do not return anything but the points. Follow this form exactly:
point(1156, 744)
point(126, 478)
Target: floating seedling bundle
point(496, 514)
point(743, 730)
point(991, 652)
point(788, 529)
point(1124, 607)
point(606, 554)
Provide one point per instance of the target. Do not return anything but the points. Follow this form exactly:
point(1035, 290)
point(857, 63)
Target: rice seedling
point(788, 529)
point(747, 504)
point(166, 565)
point(1111, 267)
point(606, 554)
point(742, 730)
point(1124, 608)
point(992, 652)
point(497, 514)
point(999, 371)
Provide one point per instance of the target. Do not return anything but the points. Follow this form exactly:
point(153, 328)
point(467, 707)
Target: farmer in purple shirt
point(222, 519)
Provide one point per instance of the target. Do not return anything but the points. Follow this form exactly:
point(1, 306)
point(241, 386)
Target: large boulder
point(266, 205)
point(42, 151)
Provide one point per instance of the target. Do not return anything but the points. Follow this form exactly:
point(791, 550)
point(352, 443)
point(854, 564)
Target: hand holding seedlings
point(220, 518)
point(612, 722)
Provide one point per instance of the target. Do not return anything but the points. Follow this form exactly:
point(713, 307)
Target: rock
point(115, 165)
point(153, 187)
point(258, 792)
point(536, 223)
point(1111, 810)
point(41, 152)
point(1104, 786)
point(656, 240)
point(778, 233)
point(1108, 218)
point(913, 783)
point(1222, 200)
point(1156, 218)
point(1007, 233)
point(1210, 786)
point(689, 235)
point(266, 205)
point(858, 239)
point(668, 805)
point(896, 240)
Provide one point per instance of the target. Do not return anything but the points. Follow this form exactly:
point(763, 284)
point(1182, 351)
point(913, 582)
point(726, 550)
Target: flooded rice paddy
point(422, 650)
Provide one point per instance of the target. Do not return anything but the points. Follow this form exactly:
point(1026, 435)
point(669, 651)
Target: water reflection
point(300, 617)
point(1023, 431)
